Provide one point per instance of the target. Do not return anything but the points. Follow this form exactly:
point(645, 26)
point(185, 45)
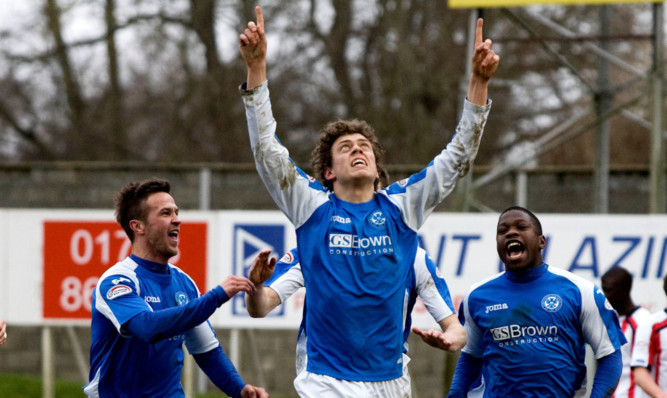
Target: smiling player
point(527, 326)
point(145, 309)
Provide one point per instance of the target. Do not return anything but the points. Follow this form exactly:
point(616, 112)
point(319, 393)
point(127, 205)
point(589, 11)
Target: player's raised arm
point(252, 43)
point(484, 64)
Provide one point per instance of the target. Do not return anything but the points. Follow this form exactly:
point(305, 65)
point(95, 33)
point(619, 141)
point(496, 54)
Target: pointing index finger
point(478, 32)
point(260, 17)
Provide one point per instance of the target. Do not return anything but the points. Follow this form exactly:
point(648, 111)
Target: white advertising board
point(50, 259)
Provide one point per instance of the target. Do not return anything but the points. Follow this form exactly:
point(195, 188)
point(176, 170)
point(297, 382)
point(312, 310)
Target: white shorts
point(313, 385)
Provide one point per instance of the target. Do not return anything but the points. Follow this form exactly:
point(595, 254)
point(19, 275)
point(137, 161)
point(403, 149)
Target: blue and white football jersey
point(531, 330)
point(357, 257)
point(428, 285)
point(124, 366)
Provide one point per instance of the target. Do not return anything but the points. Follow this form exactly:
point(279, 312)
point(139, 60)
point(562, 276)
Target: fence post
point(48, 368)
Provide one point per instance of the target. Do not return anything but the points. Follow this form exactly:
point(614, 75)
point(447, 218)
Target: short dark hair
point(533, 217)
point(321, 156)
point(130, 202)
point(619, 275)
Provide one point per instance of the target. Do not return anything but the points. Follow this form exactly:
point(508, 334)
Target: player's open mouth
point(173, 234)
point(514, 249)
point(358, 162)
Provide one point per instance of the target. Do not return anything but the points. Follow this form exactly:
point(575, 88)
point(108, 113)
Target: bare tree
point(118, 144)
point(76, 140)
point(170, 93)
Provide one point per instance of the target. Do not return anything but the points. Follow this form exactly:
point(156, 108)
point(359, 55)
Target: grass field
point(25, 386)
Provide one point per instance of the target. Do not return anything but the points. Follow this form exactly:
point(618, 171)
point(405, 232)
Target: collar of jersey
point(150, 265)
point(356, 206)
point(527, 276)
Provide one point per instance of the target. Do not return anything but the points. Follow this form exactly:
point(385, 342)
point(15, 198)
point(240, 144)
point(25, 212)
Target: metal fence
point(218, 186)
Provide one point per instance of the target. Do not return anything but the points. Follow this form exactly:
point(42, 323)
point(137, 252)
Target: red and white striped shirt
point(651, 348)
point(631, 325)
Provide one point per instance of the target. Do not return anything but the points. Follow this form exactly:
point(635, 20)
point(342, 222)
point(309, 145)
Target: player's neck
point(354, 193)
point(145, 252)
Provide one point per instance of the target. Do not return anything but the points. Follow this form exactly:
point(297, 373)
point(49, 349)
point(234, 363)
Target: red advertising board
point(76, 253)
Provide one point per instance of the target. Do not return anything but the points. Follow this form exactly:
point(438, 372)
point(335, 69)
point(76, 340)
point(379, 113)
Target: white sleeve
point(423, 191)
point(597, 331)
point(201, 339)
point(288, 283)
point(428, 291)
point(288, 186)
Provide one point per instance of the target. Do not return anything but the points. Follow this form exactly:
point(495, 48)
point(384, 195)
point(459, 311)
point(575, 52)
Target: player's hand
point(484, 60)
point(436, 338)
point(3, 331)
point(234, 284)
point(262, 268)
point(253, 40)
point(253, 392)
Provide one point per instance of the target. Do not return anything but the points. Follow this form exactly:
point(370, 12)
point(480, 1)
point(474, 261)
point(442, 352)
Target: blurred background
point(99, 93)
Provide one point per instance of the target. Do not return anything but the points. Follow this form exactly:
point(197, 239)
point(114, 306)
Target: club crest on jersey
point(287, 258)
point(376, 219)
point(403, 183)
point(117, 291)
point(551, 302)
point(181, 298)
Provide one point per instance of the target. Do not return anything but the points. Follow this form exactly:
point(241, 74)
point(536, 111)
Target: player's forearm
point(153, 326)
point(607, 375)
point(645, 381)
point(454, 332)
point(256, 74)
point(457, 158)
point(259, 115)
point(478, 90)
point(261, 302)
point(221, 371)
